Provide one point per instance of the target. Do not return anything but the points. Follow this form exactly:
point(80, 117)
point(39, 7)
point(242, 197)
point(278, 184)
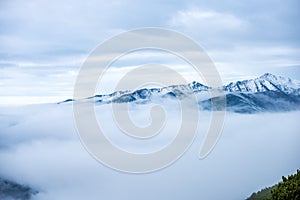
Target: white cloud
point(39, 147)
point(206, 22)
point(242, 62)
point(231, 33)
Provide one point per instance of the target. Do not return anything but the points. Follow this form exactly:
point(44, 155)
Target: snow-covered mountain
point(266, 82)
point(146, 94)
point(265, 93)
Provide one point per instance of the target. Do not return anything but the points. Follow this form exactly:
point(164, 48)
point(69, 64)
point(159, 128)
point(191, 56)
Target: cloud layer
point(40, 147)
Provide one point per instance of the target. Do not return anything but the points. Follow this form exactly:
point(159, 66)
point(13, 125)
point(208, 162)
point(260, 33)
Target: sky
point(44, 43)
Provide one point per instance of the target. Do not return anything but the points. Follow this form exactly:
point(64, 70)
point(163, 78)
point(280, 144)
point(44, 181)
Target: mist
point(39, 147)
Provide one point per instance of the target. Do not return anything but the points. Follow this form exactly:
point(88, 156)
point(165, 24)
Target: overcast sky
point(43, 43)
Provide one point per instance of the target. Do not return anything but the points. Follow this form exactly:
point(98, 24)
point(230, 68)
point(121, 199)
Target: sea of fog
point(39, 147)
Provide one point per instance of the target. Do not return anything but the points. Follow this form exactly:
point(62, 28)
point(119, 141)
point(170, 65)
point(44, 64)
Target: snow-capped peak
point(266, 82)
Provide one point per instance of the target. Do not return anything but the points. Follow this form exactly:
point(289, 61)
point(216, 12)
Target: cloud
point(42, 45)
point(31, 37)
point(207, 21)
point(211, 28)
point(58, 166)
point(243, 62)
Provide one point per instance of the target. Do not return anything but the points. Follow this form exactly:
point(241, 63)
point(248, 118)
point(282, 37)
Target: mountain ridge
point(265, 82)
point(264, 93)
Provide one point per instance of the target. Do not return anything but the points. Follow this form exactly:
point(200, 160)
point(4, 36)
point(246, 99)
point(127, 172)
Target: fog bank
point(40, 147)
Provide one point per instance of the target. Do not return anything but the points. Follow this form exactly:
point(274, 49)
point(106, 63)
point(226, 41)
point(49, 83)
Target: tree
point(288, 188)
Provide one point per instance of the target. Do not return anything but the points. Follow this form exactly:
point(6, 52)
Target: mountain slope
point(266, 93)
point(11, 190)
point(288, 188)
point(270, 101)
point(264, 83)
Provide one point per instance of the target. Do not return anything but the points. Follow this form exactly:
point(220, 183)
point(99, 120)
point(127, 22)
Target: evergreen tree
point(288, 189)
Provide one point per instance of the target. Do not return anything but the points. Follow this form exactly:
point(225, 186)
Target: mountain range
point(267, 93)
